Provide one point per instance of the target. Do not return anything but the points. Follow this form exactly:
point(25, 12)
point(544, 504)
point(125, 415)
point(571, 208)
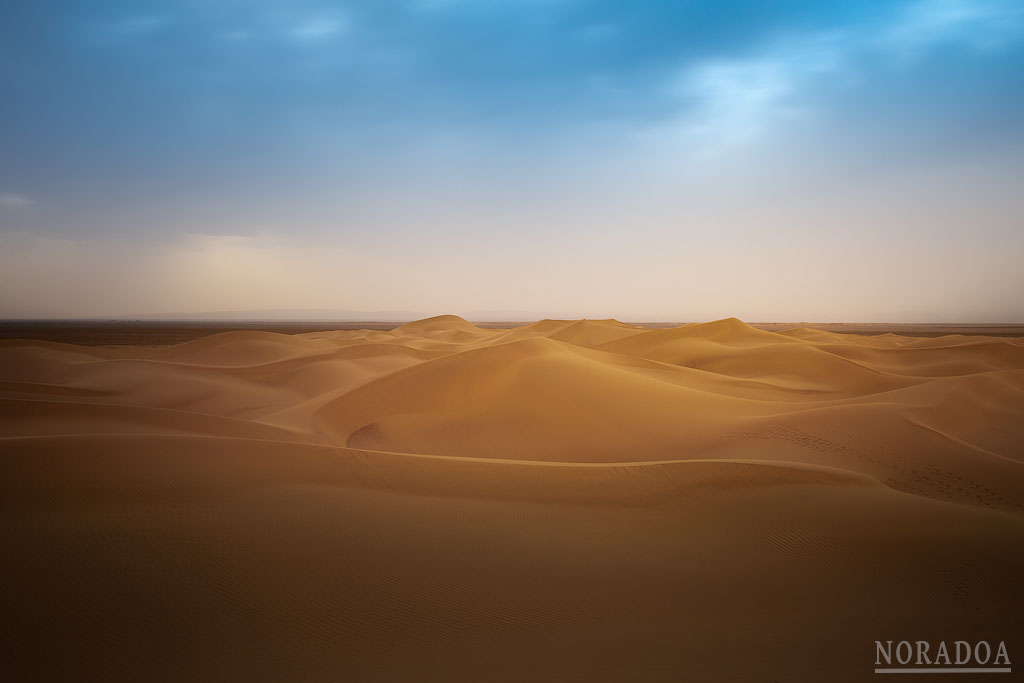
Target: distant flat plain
point(170, 332)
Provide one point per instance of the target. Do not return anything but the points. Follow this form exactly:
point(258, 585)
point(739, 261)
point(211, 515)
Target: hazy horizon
point(804, 161)
point(397, 317)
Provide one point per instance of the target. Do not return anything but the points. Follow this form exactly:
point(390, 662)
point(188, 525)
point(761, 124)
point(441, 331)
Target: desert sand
point(562, 501)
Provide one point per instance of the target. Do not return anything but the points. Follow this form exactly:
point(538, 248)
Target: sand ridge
point(563, 501)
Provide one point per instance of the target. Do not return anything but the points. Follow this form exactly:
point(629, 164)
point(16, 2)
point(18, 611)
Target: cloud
point(979, 23)
point(193, 272)
point(11, 200)
point(730, 101)
point(317, 29)
point(736, 99)
point(128, 28)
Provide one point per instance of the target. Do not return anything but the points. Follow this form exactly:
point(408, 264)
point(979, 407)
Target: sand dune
point(564, 501)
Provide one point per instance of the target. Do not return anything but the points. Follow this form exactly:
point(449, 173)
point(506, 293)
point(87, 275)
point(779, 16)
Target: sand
point(560, 501)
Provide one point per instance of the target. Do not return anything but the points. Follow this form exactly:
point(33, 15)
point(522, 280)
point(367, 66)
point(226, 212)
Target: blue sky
point(680, 160)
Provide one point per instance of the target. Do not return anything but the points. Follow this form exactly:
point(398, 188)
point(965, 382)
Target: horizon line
point(170, 318)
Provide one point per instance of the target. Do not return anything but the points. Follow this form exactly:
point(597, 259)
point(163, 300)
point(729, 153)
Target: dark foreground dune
point(562, 501)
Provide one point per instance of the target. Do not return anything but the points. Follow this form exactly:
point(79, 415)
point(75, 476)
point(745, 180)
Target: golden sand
point(564, 501)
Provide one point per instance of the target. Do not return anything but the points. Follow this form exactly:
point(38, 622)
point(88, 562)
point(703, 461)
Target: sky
point(800, 160)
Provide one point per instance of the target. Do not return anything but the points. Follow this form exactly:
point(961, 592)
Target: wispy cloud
point(302, 28)
point(981, 24)
point(317, 29)
point(127, 28)
point(735, 99)
point(12, 200)
point(731, 100)
point(310, 28)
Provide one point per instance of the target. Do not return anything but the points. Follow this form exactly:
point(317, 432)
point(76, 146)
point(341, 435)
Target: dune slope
point(565, 501)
